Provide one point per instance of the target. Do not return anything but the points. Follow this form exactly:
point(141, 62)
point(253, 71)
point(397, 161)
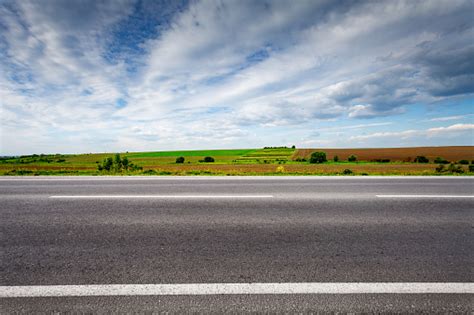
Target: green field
point(193, 153)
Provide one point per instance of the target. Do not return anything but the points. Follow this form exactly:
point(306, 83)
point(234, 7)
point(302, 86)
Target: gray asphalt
point(313, 230)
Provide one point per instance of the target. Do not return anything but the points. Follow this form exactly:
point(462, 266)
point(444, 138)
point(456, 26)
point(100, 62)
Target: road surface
point(366, 234)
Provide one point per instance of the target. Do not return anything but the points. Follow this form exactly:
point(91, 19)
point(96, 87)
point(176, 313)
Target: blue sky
point(95, 76)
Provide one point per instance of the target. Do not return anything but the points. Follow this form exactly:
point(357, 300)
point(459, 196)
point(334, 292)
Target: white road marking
point(424, 196)
point(238, 288)
point(159, 196)
point(223, 177)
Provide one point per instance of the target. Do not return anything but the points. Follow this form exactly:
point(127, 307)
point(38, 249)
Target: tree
point(440, 160)
point(180, 159)
point(421, 159)
point(318, 157)
point(125, 163)
point(336, 158)
point(107, 164)
point(208, 159)
point(293, 147)
point(352, 158)
point(117, 163)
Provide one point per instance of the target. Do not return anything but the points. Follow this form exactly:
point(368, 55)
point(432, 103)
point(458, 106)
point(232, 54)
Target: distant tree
point(464, 162)
point(352, 158)
point(318, 157)
point(421, 159)
point(293, 147)
point(440, 160)
point(336, 158)
point(180, 159)
point(208, 159)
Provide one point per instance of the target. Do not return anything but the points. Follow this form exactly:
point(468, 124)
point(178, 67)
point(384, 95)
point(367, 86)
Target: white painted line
point(424, 196)
point(238, 288)
point(159, 196)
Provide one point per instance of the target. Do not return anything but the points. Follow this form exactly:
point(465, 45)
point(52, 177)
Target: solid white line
point(238, 288)
point(159, 196)
point(424, 196)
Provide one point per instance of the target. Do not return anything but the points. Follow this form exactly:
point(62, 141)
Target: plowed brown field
point(454, 153)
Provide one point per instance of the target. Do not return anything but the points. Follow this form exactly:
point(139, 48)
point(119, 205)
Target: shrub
point(421, 159)
point(107, 164)
point(381, 160)
point(440, 168)
point(336, 158)
point(117, 164)
point(208, 159)
point(180, 159)
point(149, 172)
point(352, 158)
point(318, 157)
point(347, 171)
point(471, 168)
point(453, 168)
point(464, 162)
point(293, 147)
point(125, 163)
point(440, 160)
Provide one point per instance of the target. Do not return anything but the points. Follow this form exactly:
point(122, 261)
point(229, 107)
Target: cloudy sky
point(95, 76)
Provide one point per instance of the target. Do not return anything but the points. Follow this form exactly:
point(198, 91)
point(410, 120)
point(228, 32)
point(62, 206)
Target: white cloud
point(448, 131)
point(446, 118)
point(225, 71)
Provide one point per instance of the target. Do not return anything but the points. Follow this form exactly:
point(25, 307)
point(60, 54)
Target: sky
point(107, 76)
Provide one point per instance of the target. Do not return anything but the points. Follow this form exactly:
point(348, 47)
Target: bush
point(293, 147)
point(180, 159)
point(318, 157)
point(440, 160)
point(421, 159)
point(125, 163)
point(440, 168)
point(150, 172)
point(208, 159)
point(352, 158)
point(471, 168)
point(464, 162)
point(336, 158)
point(117, 165)
point(381, 160)
point(347, 171)
point(452, 168)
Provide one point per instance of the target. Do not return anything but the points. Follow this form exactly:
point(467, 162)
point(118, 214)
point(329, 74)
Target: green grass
point(198, 153)
point(267, 156)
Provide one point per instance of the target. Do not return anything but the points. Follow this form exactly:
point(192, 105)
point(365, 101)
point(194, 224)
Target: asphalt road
point(300, 230)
